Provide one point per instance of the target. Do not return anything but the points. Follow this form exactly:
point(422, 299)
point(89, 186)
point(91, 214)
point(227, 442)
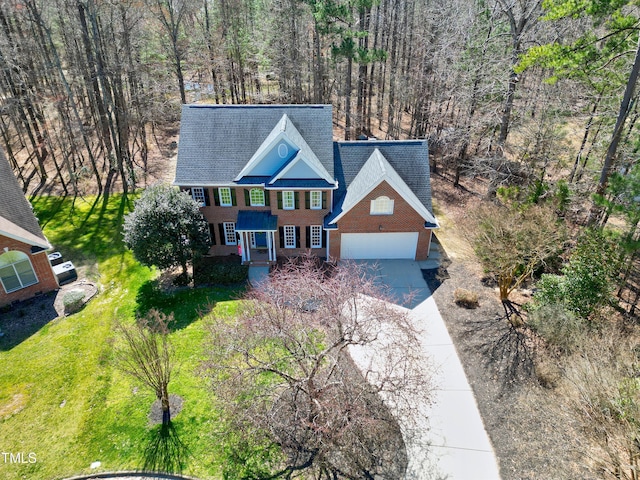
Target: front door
point(261, 239)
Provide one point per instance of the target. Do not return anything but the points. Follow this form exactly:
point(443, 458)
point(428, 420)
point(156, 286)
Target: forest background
point(525, 94)
point(530, 103)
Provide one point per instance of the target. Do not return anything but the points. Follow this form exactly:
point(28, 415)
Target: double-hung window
point(316, 236)
point(256, 196)
point(197, 193)
point(289, 236)
point(224, 194)
point(288, 201)
point(315, 200)
point(16, 271)
point(230, 233)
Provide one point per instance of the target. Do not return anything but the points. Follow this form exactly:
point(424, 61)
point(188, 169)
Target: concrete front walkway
point(454, 445)
point(257, 275)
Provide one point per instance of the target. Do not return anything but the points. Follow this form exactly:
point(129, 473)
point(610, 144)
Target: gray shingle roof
point(217, 141)
point(376, 170)
point(409, 158)
point(15, 209)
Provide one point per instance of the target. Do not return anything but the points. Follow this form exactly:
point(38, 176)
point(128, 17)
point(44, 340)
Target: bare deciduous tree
point(147, 355)
point(282, 369)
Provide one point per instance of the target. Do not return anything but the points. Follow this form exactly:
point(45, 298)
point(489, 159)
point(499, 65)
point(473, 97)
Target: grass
point(61, 396)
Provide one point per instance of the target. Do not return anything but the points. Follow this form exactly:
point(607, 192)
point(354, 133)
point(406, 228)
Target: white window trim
point(251, 197)
point(318, 204)
point(226, 190)
point(316, 236)
point(375, 208)
point(22, 285)
point(197, 193)
point(228, 232)
point(292, 197)
point(291, 235)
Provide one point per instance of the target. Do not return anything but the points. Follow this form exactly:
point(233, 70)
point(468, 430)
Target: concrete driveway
point(454, 445)
point(402, 278)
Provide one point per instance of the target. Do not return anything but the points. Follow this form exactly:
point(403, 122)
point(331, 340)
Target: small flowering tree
point(319, 365)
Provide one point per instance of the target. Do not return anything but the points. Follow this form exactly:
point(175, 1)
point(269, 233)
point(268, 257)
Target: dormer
point(284, 155)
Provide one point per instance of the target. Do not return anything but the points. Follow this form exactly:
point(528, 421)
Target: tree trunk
point(164, 402)
point(622, 116)
point(585, 137)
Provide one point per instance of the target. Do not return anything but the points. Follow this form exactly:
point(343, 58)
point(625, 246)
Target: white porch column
point(272, 250)
point(244, 257)
point(268, 235)
point(326, 232)
point(246, 246)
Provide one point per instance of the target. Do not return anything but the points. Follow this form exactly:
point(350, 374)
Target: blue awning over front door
point(256, 221)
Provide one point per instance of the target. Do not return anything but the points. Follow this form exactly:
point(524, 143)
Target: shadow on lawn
point(165, 451)
point(187, 304)
point(84, 236)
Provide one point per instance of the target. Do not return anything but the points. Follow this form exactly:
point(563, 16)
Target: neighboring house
point(272, 182)
point(25, 270)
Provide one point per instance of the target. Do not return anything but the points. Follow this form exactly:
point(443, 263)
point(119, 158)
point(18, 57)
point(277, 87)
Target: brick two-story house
point(25, 269)
point(272, 182)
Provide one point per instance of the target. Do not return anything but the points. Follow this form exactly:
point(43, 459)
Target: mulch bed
point(531, 436)
point(21, 320)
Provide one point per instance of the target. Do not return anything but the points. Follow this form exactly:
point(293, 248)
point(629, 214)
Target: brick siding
point(300, 217)
point(47, 281)
point(403, 219)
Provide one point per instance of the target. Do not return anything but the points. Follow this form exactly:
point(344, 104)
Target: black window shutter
point(267, 198)
point(281, 233)
point(223, 239)
point(296, 200)
point(207, 202)
point(297, 237)
point(307, 200)
point(212, 233)
point(234, 201)
point(279, 197)
point(323, 234)
point(308, 234)
point(324, 200)
point(247, 199)
point(216, 197)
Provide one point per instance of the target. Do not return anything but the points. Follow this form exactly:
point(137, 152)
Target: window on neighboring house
point(382, 206)
point(316, 236)
point(225, 196)
point(16, 271)
point(230, 233)
point(316, 200)
point(289, 236)
point(256, 196)
point(197, 193)
point(288, 201)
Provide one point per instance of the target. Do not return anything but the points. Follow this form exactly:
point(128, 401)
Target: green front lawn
point(72, 406)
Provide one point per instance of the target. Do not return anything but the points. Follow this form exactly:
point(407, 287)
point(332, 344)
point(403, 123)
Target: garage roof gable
point(375, 171)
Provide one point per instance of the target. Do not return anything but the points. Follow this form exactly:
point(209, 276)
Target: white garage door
point(378, 245)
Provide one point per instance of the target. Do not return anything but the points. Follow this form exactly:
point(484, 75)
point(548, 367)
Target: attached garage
point(360, 246)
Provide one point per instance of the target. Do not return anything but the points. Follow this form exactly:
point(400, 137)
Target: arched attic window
point(382, 206)
point(16, 271)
